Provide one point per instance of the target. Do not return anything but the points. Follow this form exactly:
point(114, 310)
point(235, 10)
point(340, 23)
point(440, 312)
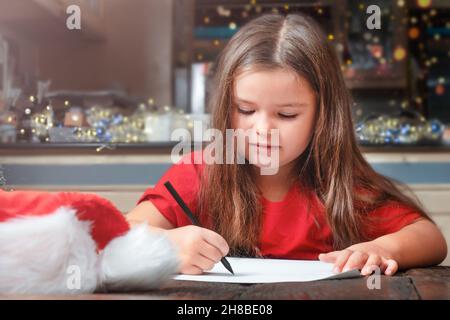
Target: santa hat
point(66, 243)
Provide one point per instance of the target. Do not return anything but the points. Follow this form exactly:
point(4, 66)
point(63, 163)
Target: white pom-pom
point(49, 254)
point(138, 260)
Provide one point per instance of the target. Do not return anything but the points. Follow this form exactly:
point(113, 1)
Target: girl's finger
point(216, 240)
point(356, 261)
point(341, 260)
point(191, 270)
point(391, 267)
point(374, 261)
point(203, 262)
point(329, 257)
point(210, 252)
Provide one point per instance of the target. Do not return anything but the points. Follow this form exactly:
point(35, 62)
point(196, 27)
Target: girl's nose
point(263, 125)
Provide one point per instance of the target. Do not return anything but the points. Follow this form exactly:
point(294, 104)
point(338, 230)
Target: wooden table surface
point(414, 284)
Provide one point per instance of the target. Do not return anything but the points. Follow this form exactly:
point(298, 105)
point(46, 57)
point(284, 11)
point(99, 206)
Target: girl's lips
point(264, 145)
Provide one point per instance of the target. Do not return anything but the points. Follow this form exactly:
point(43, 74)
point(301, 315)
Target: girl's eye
point(244, 111)
point(289, 116)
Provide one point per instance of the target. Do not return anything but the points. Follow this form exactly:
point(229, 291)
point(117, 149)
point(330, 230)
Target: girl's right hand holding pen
point(199, 249)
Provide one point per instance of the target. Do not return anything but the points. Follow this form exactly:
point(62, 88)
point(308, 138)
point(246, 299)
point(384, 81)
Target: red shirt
point(294, 228)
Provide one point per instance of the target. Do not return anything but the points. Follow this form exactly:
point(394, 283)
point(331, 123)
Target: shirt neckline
point(285, 199)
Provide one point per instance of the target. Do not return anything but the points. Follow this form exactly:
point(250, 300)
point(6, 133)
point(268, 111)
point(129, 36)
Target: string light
point(413, 33)
point(424, 3)
point(439, 90)
point(223, 12)
point(399, 53)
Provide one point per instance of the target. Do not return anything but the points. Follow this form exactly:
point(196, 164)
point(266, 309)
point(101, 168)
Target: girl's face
point(274, 99)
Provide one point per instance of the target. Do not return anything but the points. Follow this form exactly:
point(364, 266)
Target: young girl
point(325, 202)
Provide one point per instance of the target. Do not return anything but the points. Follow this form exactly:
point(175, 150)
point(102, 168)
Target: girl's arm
point(147, 212)
point(416, 245)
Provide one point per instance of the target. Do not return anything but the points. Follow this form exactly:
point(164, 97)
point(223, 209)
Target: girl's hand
point(199, 249)
point(365, 256)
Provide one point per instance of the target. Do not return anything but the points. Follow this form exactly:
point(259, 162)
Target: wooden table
point(414, 284)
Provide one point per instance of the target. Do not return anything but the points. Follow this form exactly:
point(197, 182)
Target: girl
point(325, 202)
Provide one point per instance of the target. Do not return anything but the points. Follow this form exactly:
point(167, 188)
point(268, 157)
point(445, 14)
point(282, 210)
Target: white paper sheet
point(252, 270)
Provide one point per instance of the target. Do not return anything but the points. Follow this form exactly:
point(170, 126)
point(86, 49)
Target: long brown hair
point(332, 166)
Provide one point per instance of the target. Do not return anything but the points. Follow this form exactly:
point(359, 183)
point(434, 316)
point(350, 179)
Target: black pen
point(191, 217)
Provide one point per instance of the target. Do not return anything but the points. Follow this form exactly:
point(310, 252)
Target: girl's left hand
point(364, 256)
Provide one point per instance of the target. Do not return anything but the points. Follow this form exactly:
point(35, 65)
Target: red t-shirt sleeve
point(185, 178)
point(390, 218)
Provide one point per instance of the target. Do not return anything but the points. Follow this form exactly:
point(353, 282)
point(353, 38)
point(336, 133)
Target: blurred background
point(91, 107)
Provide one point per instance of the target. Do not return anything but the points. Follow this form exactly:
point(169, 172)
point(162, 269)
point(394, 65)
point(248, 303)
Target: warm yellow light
point(399, 53)
point(424, 3)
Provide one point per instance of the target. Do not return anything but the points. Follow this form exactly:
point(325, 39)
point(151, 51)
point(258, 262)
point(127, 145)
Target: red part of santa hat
point(107, 222)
